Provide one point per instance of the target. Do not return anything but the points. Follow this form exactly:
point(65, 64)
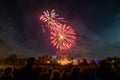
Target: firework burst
point(51, 19)
point(64, 38)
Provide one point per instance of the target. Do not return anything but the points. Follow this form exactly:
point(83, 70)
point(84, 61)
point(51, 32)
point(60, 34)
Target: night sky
point(97, 24)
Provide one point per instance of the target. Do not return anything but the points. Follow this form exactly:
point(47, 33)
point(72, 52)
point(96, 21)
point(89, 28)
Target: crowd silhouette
point(105, 71)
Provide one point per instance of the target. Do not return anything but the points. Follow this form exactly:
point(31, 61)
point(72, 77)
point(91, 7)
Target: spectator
point(27, 72)
point(105, 72)
point(75, 75)
point(66, 75)
point(55, 75)
point(7, 75)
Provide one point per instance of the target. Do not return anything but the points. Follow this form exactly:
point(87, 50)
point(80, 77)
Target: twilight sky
point(97, 24)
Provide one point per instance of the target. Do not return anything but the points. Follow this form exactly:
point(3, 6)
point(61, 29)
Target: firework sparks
point(51, 19)
point(64, 38)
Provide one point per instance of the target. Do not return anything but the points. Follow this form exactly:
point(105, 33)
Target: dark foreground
point(103, 71)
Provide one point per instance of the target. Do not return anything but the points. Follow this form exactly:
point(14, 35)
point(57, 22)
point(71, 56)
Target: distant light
point(54, 56)
point(113, 61)
point(48, 62)
point(96, 61)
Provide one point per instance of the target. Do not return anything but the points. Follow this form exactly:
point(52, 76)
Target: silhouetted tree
point(11, 59)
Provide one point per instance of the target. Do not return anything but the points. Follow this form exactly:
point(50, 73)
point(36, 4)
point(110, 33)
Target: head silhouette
point(8, 70)
point(31, 61)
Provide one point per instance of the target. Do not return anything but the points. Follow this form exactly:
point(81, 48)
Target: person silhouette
point(7, 74)
point(27, 72)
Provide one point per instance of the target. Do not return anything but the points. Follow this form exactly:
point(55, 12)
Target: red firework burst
point(63, 38)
